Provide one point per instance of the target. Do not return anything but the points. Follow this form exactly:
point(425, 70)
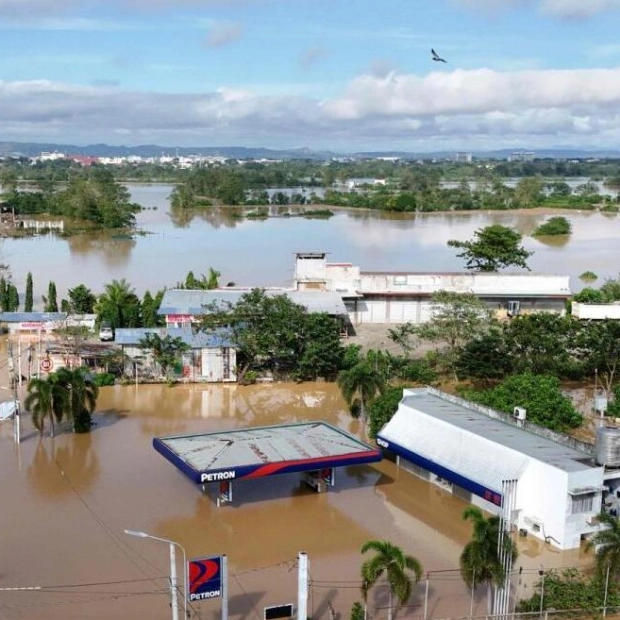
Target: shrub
point(104, 378)
point(554, 226)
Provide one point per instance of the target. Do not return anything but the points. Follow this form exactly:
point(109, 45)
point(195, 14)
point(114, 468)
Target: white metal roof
point(265, 445)
point(481, 448)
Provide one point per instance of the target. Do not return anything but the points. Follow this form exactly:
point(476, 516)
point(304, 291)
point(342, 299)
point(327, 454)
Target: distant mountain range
point(31, 149)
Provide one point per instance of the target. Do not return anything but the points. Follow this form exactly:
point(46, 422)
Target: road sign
point(205, 578)
point(46, 364)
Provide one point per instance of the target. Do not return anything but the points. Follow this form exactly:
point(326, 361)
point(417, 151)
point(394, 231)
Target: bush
point(357, 611)
point(104, 378)
point(554, 226)
point(540, 395)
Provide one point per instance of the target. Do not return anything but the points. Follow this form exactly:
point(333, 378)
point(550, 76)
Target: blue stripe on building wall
point(480, 490)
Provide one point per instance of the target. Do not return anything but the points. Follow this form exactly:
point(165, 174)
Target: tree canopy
point(493, 248)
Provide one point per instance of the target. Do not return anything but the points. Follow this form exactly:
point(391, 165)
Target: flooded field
point(66, 503)
point(261, 252)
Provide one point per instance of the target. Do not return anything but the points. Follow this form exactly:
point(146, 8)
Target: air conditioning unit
point(593, 520)
point(519, 413)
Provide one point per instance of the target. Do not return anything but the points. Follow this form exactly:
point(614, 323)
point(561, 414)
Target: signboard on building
point(205, 578)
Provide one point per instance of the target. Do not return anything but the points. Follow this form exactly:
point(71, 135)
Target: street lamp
point(173, 570)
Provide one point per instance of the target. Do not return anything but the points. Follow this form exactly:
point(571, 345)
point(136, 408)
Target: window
point(582, 503)
point(513, 308)
point(400, 280)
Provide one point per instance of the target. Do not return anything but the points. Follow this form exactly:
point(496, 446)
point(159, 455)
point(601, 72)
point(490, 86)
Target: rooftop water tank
point(607, 448)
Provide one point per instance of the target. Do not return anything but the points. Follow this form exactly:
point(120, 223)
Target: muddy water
point(173, 244)
point(65, 503)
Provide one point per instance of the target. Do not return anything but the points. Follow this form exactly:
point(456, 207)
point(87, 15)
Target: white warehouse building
point(552, 483)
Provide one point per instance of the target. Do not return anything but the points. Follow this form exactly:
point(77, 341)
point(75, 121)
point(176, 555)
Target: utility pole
point(302, 586)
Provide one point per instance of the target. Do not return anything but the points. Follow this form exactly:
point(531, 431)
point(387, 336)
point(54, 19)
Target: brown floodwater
point(261, 252)
point(65, 502)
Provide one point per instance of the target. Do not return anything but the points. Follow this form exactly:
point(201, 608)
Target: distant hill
point(31, 149)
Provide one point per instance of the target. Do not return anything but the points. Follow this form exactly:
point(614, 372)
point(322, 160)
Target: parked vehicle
point(106, 333)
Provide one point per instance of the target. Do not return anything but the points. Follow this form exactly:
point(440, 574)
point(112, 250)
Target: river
point(254, 253)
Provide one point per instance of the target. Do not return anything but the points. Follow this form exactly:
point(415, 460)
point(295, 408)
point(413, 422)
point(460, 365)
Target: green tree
point(77, 396)
point(400, 570)
point(540, 395)
point(28, 300)
point(12, 297)
point(81, 300)
point(557, 225)
point(606, 542)
point(40, 402)
point(118, 305)
point(485, 356)
point(493, 248)
point(359, 384)
point(51, 303)
point(457, 318)
point(320, 350)
point(166, 351)
point(480, 559)
point(382, 408)
point(4, 299)
point(528, 192)
point(150, 306)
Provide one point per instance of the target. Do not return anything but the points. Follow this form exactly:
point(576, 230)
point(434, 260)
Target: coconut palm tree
point(607, 544)
point(118, 305)
point(391, 561)
point(42, 404)
point(480, 561)
point(359, 384)
point(78, 398)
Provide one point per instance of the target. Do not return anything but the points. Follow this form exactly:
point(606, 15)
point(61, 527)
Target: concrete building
point(558, 484)
point(595, 312)
point(211, 358)
point(401, 297)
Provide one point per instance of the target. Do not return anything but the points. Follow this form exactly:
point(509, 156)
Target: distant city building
point(463, 156)
point(521, 156)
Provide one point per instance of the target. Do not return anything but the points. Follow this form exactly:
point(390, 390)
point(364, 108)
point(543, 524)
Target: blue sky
point(312, 73)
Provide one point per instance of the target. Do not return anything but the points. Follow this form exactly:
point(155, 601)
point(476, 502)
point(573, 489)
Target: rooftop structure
point(264, 451)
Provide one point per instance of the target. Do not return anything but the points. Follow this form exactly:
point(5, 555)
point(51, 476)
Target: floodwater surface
point(261, 253)
point(65, 504)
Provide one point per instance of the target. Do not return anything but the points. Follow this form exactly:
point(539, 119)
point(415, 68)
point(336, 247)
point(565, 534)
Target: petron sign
point(205, 578)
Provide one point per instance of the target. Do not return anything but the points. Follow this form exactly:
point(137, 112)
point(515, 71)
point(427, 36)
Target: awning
point(587, 490)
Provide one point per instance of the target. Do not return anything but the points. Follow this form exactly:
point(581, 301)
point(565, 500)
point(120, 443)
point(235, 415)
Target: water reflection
point(62, 467)
point(217, 217)
point(114, 250)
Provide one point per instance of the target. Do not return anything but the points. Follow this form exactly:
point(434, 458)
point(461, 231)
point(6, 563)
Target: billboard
point(205, 578)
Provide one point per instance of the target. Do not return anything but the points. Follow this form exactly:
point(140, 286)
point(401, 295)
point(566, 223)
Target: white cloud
point(578, 9)
point(565, 9)
point(221, 35)
point(461, 109)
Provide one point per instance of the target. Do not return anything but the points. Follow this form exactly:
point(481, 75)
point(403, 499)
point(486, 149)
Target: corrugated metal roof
point(32, 317)
point(479, 447)
point(196, 340)
point(190, 302)
point(260, 446)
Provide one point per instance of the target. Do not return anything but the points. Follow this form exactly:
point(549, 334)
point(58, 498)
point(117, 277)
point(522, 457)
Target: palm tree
point(607, 544)
point(118, 305)
point(79, 397)
point(359, 384)
point(394, 563)
point(41, 402)
point(480, 561)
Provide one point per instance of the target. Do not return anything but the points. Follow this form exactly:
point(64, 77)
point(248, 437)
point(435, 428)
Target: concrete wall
point(595, 311)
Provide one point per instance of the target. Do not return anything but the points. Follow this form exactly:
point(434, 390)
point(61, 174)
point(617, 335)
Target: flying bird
point(437, 57)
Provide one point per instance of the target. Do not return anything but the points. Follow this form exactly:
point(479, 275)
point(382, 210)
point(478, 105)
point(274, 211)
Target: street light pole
point(173, 571)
